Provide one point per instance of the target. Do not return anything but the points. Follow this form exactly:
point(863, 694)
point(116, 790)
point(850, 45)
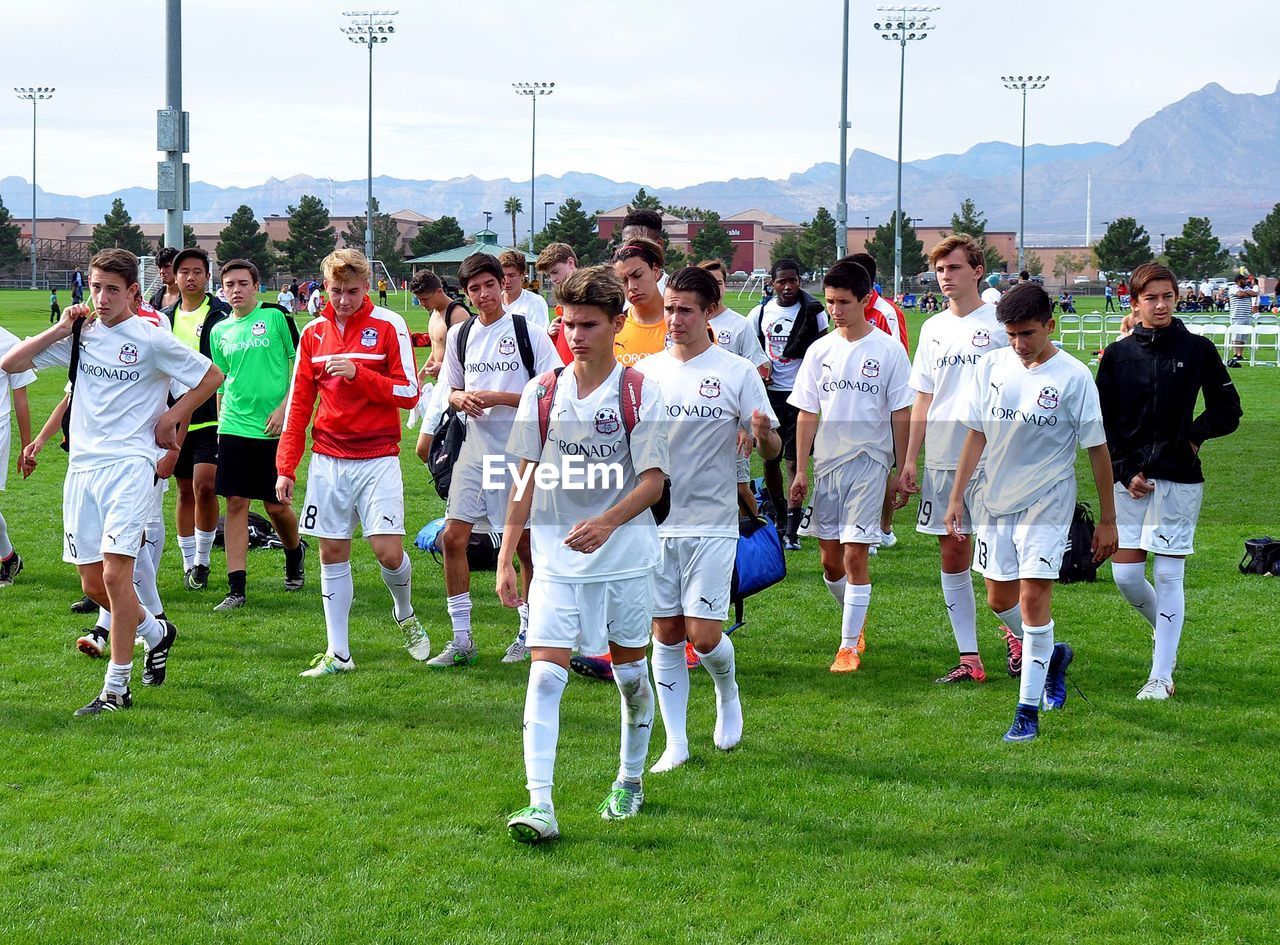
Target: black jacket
point(1148, 384)
point(804, 332)
point(207, 412)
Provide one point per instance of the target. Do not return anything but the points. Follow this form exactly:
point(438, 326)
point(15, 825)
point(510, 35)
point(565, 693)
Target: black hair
point(424, 282)
point(166, 256)
point(865, 260)
point(783, 264)
point(1025, 302)
point(698, 281)
point(1024, 276)
point(478, 264)
point(850, 276)
point(649, 219)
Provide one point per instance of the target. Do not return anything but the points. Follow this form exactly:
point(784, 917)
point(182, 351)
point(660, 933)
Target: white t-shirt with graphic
point(1033, 419)
point(947, 355)
point(708, 400)
point(777, 322)
point(586, 439)
point(855, 386)
point(124, 376)
point(734, 333)
point(532, 306)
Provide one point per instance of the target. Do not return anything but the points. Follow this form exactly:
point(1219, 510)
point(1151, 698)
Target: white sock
point(1131, 579)
point(1012, 618)
point(542, 728)
point(6, 546)
point(104, 619)
point(671, 676)
point(636, 695)
point(187, 545)
point(1170, 613)
point(117, 679)
point(459, 607)
point(144, 582)
point(720, 664)
point(150, 629)
point(1037, 650)
point(962, 610)
point(337, 590)
point(836, 588)
point(204, 544)
point(857, 598)
point(400, 583)
point(523, 611)
point(155, 535)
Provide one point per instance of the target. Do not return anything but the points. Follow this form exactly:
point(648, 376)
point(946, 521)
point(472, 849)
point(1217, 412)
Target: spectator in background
point(314, 301)
point(991, 294)
point(1122, 291)
point(1244, 303)
point(516, 299)
point(284, 298)
point(55, 310)
point(77, 287)
point(1109, 293)
point(382, 291)
point(1024, 276)
point(168, 293)
point(297, 299)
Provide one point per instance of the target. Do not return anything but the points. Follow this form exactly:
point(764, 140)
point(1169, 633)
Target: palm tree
point(512, 207)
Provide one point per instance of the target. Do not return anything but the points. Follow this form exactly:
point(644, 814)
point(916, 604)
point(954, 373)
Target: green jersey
point(255, 352)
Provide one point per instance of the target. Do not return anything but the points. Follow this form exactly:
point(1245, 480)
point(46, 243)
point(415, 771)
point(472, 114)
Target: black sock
point(236, 582)
point(293, 557)
point(794, 515)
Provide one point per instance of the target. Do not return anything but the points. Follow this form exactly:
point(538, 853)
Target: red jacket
point(895, 321)
point(359, 418)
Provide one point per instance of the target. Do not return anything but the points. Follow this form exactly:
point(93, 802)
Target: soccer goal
point(380, 271)
point(148, 275)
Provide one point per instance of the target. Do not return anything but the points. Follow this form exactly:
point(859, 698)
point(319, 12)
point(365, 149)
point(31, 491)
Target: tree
point(1197, 254)
point(645, 201)
point(242, 238)
point(1035, 265)
point(386, 240)
point(573, 226)
point(787, 246)
point(712, 241)
point(675, 259)
point(972, 221)
point(118, 231)
point(1066, 265)
point(1124, 247)
point(818, 241)
point(1262, 253)
point(686, 213)
point(311, 238)
point(437, 236)
point(512, 207)
point(10, 252)
point(881, 247)
point(188, 236)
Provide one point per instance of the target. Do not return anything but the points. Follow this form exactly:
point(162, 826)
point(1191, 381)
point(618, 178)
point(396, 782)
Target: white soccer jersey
point(493, 363)
point(777, 325)
point(532, 306)
point(124, 376)
point(855, 386)
point(947, 355)
point(586, 440)
point(734, 333)
point(10, 382)
point(708, 399)
point(1033, 418)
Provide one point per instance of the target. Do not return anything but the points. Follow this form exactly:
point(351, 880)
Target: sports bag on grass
point(1261, 556)
point(1077, 558)
point(482, 547)
point(758, 563)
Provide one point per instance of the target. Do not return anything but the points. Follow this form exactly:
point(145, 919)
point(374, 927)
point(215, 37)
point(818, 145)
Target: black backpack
point(72, 370)
point(446, 445)
point(1261, 556)
point(1077, 558)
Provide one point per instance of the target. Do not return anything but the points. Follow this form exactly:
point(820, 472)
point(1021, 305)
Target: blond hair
point(555, 253)
point(972, 251)
point(346, 265)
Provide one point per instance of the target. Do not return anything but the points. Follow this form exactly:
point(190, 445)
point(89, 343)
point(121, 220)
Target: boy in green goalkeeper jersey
point(255, 349)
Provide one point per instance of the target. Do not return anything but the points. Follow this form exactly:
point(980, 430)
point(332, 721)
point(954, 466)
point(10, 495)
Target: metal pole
point(1022, 200)
point(33, 193)
point(173, 100)
point(368, 221)
point(897, 216)
point(842, 206)
point(533, 154)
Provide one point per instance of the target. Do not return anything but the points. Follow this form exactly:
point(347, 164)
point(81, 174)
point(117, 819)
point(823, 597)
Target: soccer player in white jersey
point(1031, 405)
point(948, 351)
point(732, 331)
point(485, 383)
point(119, 428)
point(854, 408)
point(716, 405)
point(595, 547)
point(516, 299)
point(13, 388)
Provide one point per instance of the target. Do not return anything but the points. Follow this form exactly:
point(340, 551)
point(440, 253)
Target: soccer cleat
point(593, 667)
point(106, 702)
point(85, 605)
point(153, 666)
point(454, 656)
point(1055, 682)
point(94, 642)
point(691, 657)
point(862, 640)
point(295, 578)
point(888, 539)
point(533, 824)
point(1014, 647)
point(963, 672)
point(623, 801)
point(847, 660)
point(326, 664)
point(197, 577)
point(10, 567)
point(230, 602)
point(517, 651)
point(415, 637)
point(872, 550)
point(1157, 690)
point(791, 543)
point(1026, 724)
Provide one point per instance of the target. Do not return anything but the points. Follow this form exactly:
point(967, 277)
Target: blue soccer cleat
point(1026, 724)
point(1055, 683)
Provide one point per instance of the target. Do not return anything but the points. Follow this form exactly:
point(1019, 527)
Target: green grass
point(242, 804)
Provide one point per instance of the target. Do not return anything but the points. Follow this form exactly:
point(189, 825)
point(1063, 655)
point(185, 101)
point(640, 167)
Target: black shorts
point(786, 421)
point(247, 467)
point(200, 446)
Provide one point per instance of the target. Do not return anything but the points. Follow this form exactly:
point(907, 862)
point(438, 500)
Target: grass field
point(242, 804)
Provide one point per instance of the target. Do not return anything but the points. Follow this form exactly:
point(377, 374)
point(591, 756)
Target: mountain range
point(1212, 153)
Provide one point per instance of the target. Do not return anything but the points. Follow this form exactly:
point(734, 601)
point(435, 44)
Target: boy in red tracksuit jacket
point(359, 359)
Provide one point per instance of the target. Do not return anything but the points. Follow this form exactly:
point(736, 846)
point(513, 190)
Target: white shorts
point(1029, 543)
point(157, 501)
point(847, 502)
point(695, 577)
point(104, 510)
point(590, 616)
point(469, 501)
point(344, 492)
point(1163, 521)
point(935, 493)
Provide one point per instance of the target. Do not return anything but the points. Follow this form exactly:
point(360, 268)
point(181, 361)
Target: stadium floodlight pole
point(533, 90)
point(902, 25)
point(1023, 84)
point(369, 28)
point(546, 216)
point(34, 96)
point(842, 205)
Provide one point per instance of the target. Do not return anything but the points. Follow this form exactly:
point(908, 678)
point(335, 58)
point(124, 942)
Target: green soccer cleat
point(533, 825)
point(624, 801)
point(326, 664)
point(415, 637)
point(454, 656)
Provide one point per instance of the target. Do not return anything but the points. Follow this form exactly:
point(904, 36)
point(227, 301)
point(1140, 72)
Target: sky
point(661, 92)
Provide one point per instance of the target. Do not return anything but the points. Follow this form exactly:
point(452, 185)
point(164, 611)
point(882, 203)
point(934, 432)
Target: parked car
point(1081, 280)
point(927, 278)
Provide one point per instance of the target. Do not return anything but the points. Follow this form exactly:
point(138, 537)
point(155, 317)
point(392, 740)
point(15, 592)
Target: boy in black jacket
point(1148, 384)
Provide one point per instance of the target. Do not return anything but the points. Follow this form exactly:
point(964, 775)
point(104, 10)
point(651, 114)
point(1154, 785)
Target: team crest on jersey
point(129, 354)
point(724, 338)
point(539, 392)
point(710, 386)
point(1048, 398)
point(507, 346)
point(981, 338)
point(369, 337)
point(259, 328)
point(871, 368)
point(607, 421)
